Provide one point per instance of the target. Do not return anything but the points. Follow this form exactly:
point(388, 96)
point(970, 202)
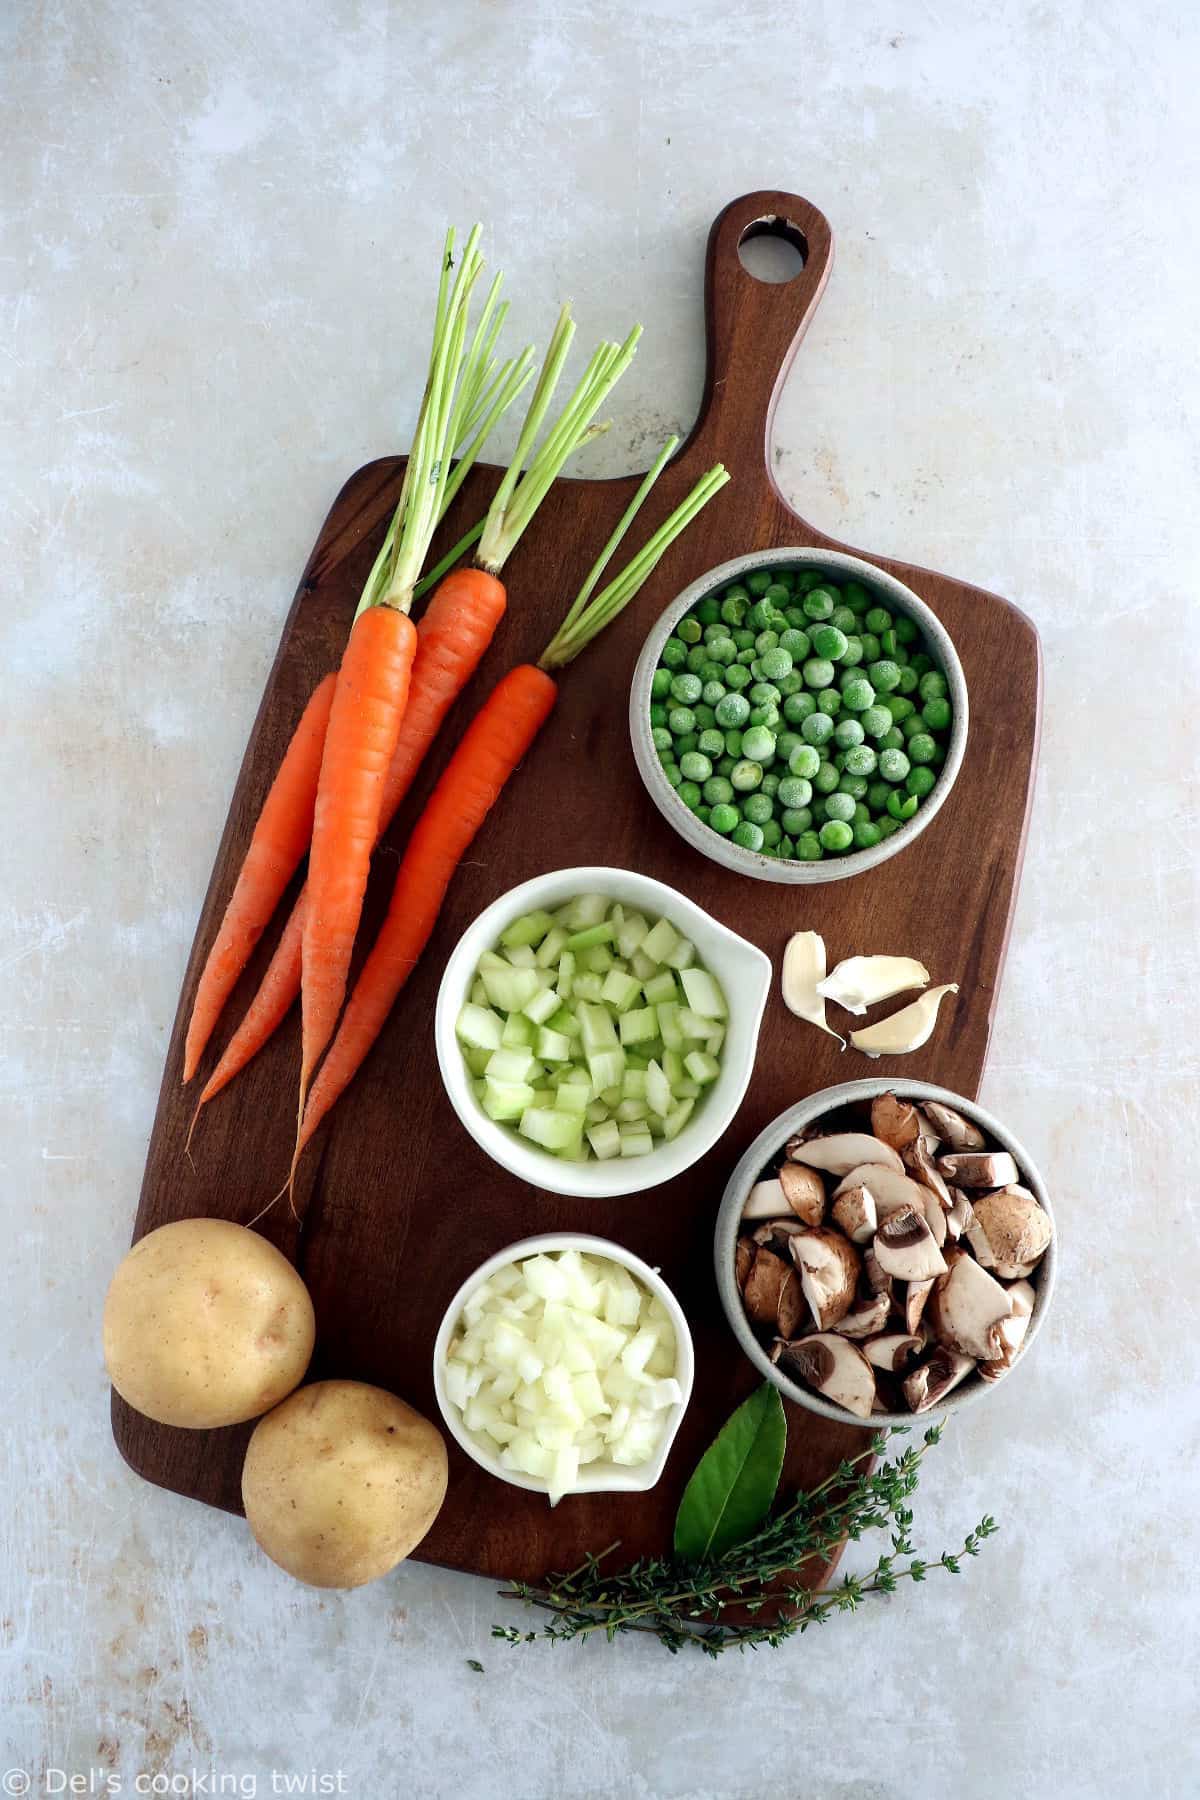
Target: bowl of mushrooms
point(884, 1250)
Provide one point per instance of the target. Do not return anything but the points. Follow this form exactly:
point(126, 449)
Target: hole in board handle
point(772, 250)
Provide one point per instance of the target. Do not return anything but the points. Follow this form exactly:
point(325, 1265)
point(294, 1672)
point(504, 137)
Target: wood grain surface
point(396, 1205)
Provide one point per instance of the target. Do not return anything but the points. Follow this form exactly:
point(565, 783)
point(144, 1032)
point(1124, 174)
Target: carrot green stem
point(581, 625)
point(623, 523)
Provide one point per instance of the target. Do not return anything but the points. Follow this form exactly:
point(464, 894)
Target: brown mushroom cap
point(866, 1318)
point(763, 1285)
point(833, 1367)
point(1016, 1229)
point(790, 1313)
point(892, 1350)
point(916, 1294)
point(1011, 1332)
point(889, 1190)
point(829, 1269)
point(979, 1168)
point(952, 1128)
point(919, 1159)
point(854, 1213)
point(905, 1248)
point(933, 1380)
point(966, 1306)
point(842, 1151)
point(804, 1192)
point(743, 1260)
point(894, 1121)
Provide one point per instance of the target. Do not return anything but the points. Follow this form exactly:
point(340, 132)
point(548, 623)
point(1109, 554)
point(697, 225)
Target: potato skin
point(341, 1482)
point(206, 1324)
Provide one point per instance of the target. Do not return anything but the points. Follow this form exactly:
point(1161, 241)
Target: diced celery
point(572, 1097)
point(637, 1059)
point(643, 966)
point(637, 1027)
point(607, 1069)
point(676, 1120)
point(530, 928)
point(682, 956)
point(489, 960)
point(551, 947)
point(539, 1006)
point(564, 1020)
point(587, 986)
point(668, 1025)
point(596, 1113)
point(611, 1096)
point(477, 1060)
point(715, 1040)
point(672, 1064)
point(509, 988)
point(658, 1090)
point(631, 1111)
point(479, 1089)
point(692, 1024)
point(546, 1126)
point(620, 990)
point(521, 957)
point(659, 941)
point(552, 1046)
point(518, 1032)
point(633, 1087)
point(542, 1096)
point(584, 910)
point(504, 1100)
point(660, 988)
point(636, 1141)
point(703, 994)
point(687, 1089)
point(597, 1028)
point(701, 1066)
point(478, 994)
point(479, 1027)
point(511, 1065)
point(631, 933)
point(598, 960)
point(604, 933)
point(605, 1139)
point(566, 975)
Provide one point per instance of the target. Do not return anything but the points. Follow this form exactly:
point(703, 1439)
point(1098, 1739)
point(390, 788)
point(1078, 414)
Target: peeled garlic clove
point(860, 981)
point(905, 1030)
point(803, 971)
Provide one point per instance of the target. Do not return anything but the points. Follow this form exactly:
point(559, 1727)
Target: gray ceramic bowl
point(768, 1144)
point(897, 598)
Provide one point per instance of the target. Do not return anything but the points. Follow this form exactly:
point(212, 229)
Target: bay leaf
point(734, 1482)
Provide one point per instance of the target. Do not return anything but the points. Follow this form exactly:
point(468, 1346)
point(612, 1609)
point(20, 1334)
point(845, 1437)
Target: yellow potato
point(341, 1482)
point(206, 1323)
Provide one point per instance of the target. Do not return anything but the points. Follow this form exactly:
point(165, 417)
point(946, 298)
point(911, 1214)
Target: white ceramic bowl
point(770, 1142)
point(897, 598)
point(741, 968)
point(596, 1477)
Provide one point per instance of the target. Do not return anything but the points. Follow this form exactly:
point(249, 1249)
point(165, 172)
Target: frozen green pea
point(708, 610)
point(804, 761)
point(797, 707)
point(737, 678)
point(908, 680)
point(829, 700)
point(817, 728)
point(906, 631)
point(829, 642)
point(701, 813)
point(746, 776)
point(817, 809)
point(839, 806)
point(768, 715)
point(870, 646)
point(776, 663)
point(723, 818)
point(936, 713)
point(920, 782)
point(713, 693)
point(891, 740)
point(759, 616)
point(893, 765)
point(758, 808)
point(764, 692)
point(921, 748)
point(798, 644)
point(795, 820)
point(765, 642)
point(758, 745)
point(884, 675)
point(887, 825)
point(723, 651)
point(660, 684)
point(826, 779)
point(770, 784)
point(843, 618)
point(658, 713)
point(681, 719)
point(876, 796)
point(818, 603)
point(772, 835)
point(724, 764)
point(791, 683)
point(748, 657)
point(759, 581)
point(732, 711)
point(861, 812)
point(697, 659)
point(858, 695)
point(689, 793)
point(878, 619)
point(898, 705)
point(913, 726)
point(808, 847)
point(733, 608)
point(854, 785)
point(674, 653)
point(780, 591)
point(861, 760)
point(922, 663)
point(748, 835)
point(712, 742)
point(875, 720)
point(706, 718)
point(743, 639)
point(673, 773)
point(689, 629)
point(852, 655)
point(836, 836)
point(889, 643)
point(866, 834)
point(847, 733)
point(902, 806)
point(733, 743)
point(713, 632)
point(662, 740)
point(711, 671)
point(795, 790)
point(933, 685)
point(838, 759)
point(717, 790)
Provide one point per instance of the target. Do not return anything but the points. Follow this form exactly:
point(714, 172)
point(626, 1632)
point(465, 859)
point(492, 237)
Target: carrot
point(493, 745)
point(279, 841)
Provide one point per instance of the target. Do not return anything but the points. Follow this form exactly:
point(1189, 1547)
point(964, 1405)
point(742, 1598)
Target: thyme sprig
point(686, 1603)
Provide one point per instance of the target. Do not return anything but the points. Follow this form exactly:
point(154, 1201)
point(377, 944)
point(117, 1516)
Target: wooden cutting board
point(396, 1203)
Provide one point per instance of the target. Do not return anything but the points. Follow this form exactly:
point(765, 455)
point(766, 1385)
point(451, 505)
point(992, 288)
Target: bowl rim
point(749, 862)
point(595, 1478)
point(631, 1175)
point(742, 1179)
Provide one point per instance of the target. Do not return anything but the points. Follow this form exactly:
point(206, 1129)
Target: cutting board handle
point(754, 327)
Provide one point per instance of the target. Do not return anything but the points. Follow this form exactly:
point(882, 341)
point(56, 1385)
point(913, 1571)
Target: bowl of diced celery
point(596, 1030)
point(798, 715)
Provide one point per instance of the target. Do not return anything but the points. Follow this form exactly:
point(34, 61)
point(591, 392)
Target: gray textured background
point(217, 222)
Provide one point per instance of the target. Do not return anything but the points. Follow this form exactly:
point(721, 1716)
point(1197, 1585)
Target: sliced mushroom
point(765, 1201)
point(935, 1218)
point(843, 1151)
point(865, 1318)
point(789, 1316)
point(979, 1168)
point(854, 1212)
point(764, 1285)
point(952, 1128)
point(929, 1135)
point(893, 1121)
point(1015, 1230)
point(829, 1269)
point(804, 1192)
point(935, 1378)
point(889, 1190)
point(915, 1296)
point(878, 1280)
point(893, 1351)
point(1011, 1332)
point(775, 1233)
point(833, 1367)
point(960, 1216)
point(919, 1158)
point(966, 1306)
point(905, 1248)
point(743, 1260)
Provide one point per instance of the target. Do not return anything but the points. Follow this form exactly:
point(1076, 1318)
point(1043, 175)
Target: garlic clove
point(803, 971)
point(905, 1030)
point(860, 981)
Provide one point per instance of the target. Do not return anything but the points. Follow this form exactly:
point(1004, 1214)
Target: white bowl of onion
point(564, 1365)
point(742, 977)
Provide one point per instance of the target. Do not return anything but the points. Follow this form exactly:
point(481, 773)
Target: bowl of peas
point(798, 715)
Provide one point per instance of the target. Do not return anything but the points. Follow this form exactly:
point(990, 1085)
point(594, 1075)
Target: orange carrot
point(452, 637)
point(492, 746)
point(280, 840)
